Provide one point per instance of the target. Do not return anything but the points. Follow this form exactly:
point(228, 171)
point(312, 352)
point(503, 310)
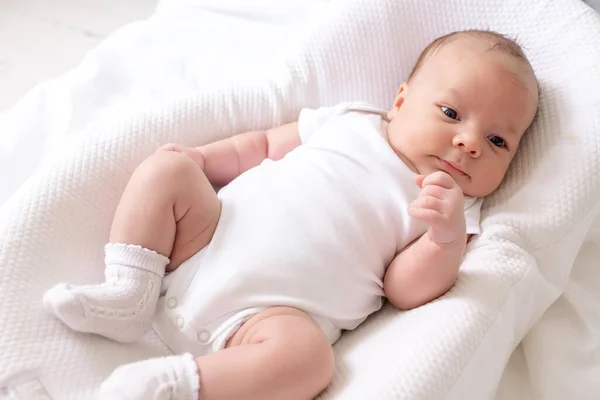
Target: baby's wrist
point(447, 237)
point(448, 245)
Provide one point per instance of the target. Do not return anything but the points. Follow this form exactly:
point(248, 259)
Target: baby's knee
point(165, 167)
point(322, 362)
point(308, 353)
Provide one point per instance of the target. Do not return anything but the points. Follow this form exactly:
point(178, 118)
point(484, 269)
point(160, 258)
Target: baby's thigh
point(197, 210)
point(168, 206)
point(302, 357)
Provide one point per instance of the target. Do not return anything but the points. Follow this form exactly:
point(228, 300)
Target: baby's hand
point(191, 152)
point(440, 204)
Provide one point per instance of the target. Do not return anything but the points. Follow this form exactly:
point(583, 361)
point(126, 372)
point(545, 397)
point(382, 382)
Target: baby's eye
point(450, 113)
point(497, 141)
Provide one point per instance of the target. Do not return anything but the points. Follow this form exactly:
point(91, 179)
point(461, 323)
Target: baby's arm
point(428, 267)
point(226, 159)
point(422, 272)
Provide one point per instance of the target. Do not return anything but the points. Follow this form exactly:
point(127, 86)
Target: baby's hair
point(498, 42)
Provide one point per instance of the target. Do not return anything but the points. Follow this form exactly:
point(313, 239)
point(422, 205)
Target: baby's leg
point(168, 206)
point(167, 209)
point(278, 354)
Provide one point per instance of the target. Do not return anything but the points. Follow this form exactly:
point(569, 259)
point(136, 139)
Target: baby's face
point(464, 113)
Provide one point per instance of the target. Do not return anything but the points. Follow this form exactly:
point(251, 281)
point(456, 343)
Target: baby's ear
point(398, 101)
point(400, 96)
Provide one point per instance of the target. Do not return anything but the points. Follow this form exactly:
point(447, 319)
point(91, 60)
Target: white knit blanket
point(54, 226)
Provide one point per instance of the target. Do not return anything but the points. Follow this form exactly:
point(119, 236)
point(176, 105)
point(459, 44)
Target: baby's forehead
point(479, 43)
point(503, 55)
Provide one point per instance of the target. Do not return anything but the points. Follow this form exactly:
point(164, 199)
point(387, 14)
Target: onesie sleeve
point(473, 215)
point(311, 120)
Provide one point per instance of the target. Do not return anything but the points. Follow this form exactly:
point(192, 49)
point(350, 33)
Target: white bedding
point(201, 70)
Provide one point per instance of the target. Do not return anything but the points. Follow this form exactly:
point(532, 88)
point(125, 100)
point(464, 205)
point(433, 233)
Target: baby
point(317, 222)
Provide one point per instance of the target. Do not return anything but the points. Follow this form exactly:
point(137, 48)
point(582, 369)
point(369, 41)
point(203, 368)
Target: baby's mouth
point(451, 167)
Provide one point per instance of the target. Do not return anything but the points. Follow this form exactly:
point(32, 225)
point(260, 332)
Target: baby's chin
point(474, 190)
point(467, 190)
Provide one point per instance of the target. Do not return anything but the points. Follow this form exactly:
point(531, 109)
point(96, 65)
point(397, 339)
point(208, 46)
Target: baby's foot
point(167, 378)
point(122, 308)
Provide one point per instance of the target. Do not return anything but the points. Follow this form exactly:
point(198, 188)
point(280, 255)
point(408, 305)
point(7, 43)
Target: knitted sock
point(122, 308)
point(166, 378)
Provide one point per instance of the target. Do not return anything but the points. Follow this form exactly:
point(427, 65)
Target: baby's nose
point(469, 144)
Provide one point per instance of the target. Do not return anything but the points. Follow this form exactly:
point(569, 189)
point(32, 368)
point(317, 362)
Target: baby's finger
point(419, 180)
point(429, 203)
point(428, 216)
point(439, 178)
point(435, 191)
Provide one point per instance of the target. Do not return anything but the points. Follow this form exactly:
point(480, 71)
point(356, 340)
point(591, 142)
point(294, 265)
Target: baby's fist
point(440, 204)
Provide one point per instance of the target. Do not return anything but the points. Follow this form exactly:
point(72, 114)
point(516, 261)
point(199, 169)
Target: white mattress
point(201, 70)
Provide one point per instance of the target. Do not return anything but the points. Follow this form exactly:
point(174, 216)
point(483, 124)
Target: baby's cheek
point(487, 183)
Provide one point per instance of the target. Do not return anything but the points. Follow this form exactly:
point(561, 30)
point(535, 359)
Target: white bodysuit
point(315, 231)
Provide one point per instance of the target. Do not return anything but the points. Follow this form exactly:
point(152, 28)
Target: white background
point(40, 39)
